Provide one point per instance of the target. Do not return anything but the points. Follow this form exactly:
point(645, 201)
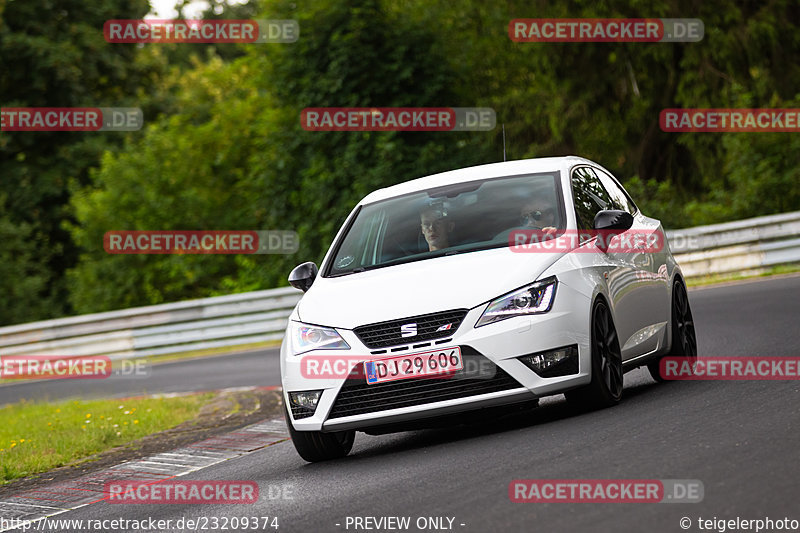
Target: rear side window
point(590, 196)
point(619, 197)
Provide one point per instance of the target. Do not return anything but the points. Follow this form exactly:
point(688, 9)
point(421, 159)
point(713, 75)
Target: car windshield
point(458, 218)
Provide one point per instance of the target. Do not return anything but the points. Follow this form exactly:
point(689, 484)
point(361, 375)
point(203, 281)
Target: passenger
point(539, 213)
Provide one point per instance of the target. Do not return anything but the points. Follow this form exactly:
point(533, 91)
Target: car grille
point(385, 334)
point(479, 376)
point(299, 412)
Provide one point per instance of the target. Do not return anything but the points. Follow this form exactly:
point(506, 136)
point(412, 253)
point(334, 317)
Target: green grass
point(36, 437)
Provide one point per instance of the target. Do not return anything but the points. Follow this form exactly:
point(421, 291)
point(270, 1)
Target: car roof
point(480, 172)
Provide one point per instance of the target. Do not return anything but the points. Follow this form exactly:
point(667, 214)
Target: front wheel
point(605, 389)
point(314, 446)
point(684, 340)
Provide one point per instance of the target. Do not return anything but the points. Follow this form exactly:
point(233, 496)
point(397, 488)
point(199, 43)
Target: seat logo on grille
point(408, 330)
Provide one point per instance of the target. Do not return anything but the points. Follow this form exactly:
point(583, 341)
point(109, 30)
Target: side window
point(590, 196)
point(618, 196)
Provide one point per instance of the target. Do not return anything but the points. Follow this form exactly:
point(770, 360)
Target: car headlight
point(533, 299)
point(306, 337)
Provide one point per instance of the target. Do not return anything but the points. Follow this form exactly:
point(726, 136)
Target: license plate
point(445, 361)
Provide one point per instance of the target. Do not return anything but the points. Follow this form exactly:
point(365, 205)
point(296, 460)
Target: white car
point(482, 287)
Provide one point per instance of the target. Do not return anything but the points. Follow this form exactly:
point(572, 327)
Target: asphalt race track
point(247, 369)
point(739, 438)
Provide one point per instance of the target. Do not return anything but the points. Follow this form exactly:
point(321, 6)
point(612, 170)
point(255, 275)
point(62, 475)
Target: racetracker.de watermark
point(201, 242)
point(181, 492)
point(730, 368)
point(606, 491)
point(622, 30)
point(71, 367)
point(730, 120)
point(201, 31)
point(424, 365)
point(398, 119)
point(54, 367)
point(550, 241)
point(71, 119)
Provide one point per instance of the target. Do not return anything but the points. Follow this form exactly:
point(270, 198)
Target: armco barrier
point(253, 317)
point(744, 245)
point(215, 322)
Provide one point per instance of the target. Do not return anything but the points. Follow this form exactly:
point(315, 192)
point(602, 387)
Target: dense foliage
point(223, 147)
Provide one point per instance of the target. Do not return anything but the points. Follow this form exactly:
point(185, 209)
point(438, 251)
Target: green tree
point(53, 55)
point(187, 172)
point(602, 100)
point(236, 157)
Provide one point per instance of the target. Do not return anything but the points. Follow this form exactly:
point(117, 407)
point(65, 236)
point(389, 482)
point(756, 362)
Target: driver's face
point(436, 230)
point(538, 214)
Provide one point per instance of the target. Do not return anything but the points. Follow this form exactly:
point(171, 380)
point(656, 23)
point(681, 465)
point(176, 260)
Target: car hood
point(431, 285)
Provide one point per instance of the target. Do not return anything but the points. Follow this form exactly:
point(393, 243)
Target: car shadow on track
point(552, 410)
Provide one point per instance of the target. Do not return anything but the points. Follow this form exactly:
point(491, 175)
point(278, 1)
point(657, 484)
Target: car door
point(617, 267)
point(651, 299)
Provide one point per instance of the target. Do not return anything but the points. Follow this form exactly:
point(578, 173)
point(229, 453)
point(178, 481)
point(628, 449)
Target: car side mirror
point(303, 276)
point(613, 219)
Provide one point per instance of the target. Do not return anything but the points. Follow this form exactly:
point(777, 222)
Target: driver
point(436, 228)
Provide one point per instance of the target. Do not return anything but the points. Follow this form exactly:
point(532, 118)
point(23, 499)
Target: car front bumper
point(501, 344)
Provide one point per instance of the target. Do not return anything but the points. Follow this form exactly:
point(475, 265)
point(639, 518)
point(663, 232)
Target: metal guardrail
point(261, 316)
point(742, 246)
point(215, 322)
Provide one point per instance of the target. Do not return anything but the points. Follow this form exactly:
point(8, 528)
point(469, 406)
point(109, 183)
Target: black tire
point(605, 389)
point(684, 340)
point(314, 446)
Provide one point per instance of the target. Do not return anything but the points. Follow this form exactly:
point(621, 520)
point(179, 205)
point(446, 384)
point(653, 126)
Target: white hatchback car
point(484, 287)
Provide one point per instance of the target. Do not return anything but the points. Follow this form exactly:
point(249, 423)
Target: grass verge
point(36, 437)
